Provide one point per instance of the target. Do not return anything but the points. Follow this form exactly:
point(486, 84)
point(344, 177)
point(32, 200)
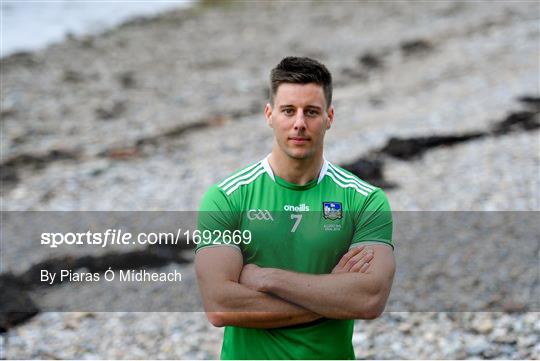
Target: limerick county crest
point(332, 210)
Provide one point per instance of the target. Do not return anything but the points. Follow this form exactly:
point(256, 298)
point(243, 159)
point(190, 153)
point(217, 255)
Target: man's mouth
point(299, 140)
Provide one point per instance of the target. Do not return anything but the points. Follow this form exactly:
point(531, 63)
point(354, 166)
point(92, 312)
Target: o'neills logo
point(301, 208)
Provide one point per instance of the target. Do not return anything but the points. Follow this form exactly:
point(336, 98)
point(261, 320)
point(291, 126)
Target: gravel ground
point(116, 104)
point(397, 335)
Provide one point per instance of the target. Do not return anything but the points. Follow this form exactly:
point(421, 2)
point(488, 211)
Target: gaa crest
point(332, 210)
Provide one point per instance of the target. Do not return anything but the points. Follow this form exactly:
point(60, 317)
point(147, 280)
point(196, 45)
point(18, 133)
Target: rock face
point(16, 305)
point(149, 115)
point(414, 147)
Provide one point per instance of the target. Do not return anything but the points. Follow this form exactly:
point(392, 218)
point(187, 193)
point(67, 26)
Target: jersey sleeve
point(373, 222)
point(216, 220)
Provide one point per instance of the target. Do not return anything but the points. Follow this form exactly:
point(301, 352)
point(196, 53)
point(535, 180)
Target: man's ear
point(268, 114)
point(330, 115)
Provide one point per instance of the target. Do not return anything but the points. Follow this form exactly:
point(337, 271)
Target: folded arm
point(229, 302)
point(342, 295)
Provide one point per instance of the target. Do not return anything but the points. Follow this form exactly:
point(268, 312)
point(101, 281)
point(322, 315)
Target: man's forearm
point(237, 305)
point(340, 296)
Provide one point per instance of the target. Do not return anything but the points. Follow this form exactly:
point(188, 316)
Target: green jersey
point(302, 228)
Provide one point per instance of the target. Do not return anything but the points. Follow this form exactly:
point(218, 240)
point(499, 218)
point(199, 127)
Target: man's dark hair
point(301, 71)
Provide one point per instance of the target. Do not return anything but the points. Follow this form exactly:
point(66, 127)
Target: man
point(318, 253)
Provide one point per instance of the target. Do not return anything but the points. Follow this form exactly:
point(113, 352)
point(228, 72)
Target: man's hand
point(356, 260)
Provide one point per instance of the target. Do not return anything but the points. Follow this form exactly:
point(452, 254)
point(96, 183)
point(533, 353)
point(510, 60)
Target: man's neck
point(297, 171)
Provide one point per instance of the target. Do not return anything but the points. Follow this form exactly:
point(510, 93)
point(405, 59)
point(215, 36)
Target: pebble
point(505, 339)
point(483, 325)
point(477, 347)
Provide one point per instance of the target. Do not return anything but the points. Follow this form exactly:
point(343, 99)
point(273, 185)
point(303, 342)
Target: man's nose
point(299, 121)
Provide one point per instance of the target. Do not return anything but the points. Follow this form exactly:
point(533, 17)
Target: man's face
point(300, 119)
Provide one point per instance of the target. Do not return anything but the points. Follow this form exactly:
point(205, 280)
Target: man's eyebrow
point(307, 107)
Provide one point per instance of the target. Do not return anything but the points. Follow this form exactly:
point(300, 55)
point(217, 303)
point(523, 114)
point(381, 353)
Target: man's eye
point(312, 113)
point(288, 111)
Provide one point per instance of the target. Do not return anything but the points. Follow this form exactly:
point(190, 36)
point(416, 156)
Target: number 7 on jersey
point(297, 218)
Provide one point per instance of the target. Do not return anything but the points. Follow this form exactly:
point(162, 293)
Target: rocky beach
point(437, 102)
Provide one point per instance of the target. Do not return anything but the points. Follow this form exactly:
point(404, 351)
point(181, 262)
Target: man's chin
point(300, 154)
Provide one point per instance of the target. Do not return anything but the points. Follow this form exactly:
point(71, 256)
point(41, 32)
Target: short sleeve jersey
point(302, 228)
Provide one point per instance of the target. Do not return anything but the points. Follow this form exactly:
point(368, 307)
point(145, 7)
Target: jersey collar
point(268, 169)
